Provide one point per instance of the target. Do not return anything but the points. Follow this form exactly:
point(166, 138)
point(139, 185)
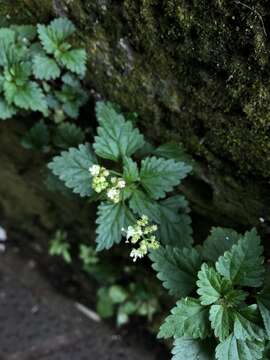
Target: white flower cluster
point(101, 182)
point(142, 235)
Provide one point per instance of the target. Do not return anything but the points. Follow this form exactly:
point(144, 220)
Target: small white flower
point(94, 170)
point(114, 195)
point(130, 232)
point(121, 183)
point(135, 254)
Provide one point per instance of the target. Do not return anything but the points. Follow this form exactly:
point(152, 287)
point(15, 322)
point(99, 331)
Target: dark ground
point(38, 323)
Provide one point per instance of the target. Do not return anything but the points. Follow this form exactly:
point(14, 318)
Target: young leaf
point(211, 286)
point(175, 225)
point(188, 318)
point(245, 328)
point(159, 176)
point(190, 349)
point(72, 167)
point(176, 268)
point(243, 264)
point(37, 137)
point(6, 111)
point(141, 204)
point(68, 135)
point(112, 218)
point(45, 68)
point(219, 241)
point(74, 60)
point(131, 172)
point(116, 137)
point(233, 349)
point(25, 32)
point(221, 321)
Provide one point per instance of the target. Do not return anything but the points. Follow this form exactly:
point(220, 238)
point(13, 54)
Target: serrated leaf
point(112, 218)
point(68, 135)
point(53, 35)
point(159, 176)
point(233, 349)
point(219, 241)
point(175, 224)
point(190, 349)
point(245, 328)
point(243, 264)
point(37, 137)
point(130, 172)
point(141, 204)
point(72, 167)
point(116, 137)
point(263, 300)
point(28, 97)
point(74, 60)
point(188, 318)
point(6, 110)
point(176, 268)
point(211, 286)
point(221, 321)
point(45, 68)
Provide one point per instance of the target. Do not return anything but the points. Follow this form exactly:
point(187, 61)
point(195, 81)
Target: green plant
point(59, 246)
point(231, 310)
point(41, 71)
point(130, 188)
point(133, 300)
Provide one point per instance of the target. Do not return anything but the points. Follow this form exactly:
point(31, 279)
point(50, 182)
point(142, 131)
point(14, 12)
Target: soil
point(36, 322)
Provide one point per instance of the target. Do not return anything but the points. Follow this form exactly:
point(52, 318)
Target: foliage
point(41, 71)
point(59, 246)
point(131, 188)
point(225, 309)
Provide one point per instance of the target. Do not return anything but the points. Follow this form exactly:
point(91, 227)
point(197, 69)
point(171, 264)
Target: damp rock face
point(196, 72)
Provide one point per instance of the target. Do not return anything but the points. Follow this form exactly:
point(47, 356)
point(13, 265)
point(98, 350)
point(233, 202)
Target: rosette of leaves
point(40, 70)
point(148, 181)
point(223, 310)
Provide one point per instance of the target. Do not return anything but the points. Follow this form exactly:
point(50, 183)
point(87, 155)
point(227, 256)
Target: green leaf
point(211, 286)
point(68, 135)
point(190, 349)
point(245, 328)
point(105, 306)
point(159, 176)
point(188, 318)
point(175, 225)
point(221, 321)
point(233, 349)
point(176, 268)
point(243, 264)
point(72, 167)
point(25, 32)
point(6, 111)
point(219, 241)
point(131, 172)
point(116, 137)
point(112, 218)
point(37, 138)
point(74, 60)
point(55, 34)
point(117, 294)
point(141, 204)
point(263, 300)
point(45, 68)
point(28, 97)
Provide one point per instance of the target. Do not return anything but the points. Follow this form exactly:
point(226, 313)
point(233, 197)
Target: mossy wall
point(196, 71)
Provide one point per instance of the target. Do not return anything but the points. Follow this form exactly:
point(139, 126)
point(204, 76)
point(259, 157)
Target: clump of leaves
point(40, 70)
point(232, 308)
point(59, 246)
point(131, 300)
point(131, 187)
